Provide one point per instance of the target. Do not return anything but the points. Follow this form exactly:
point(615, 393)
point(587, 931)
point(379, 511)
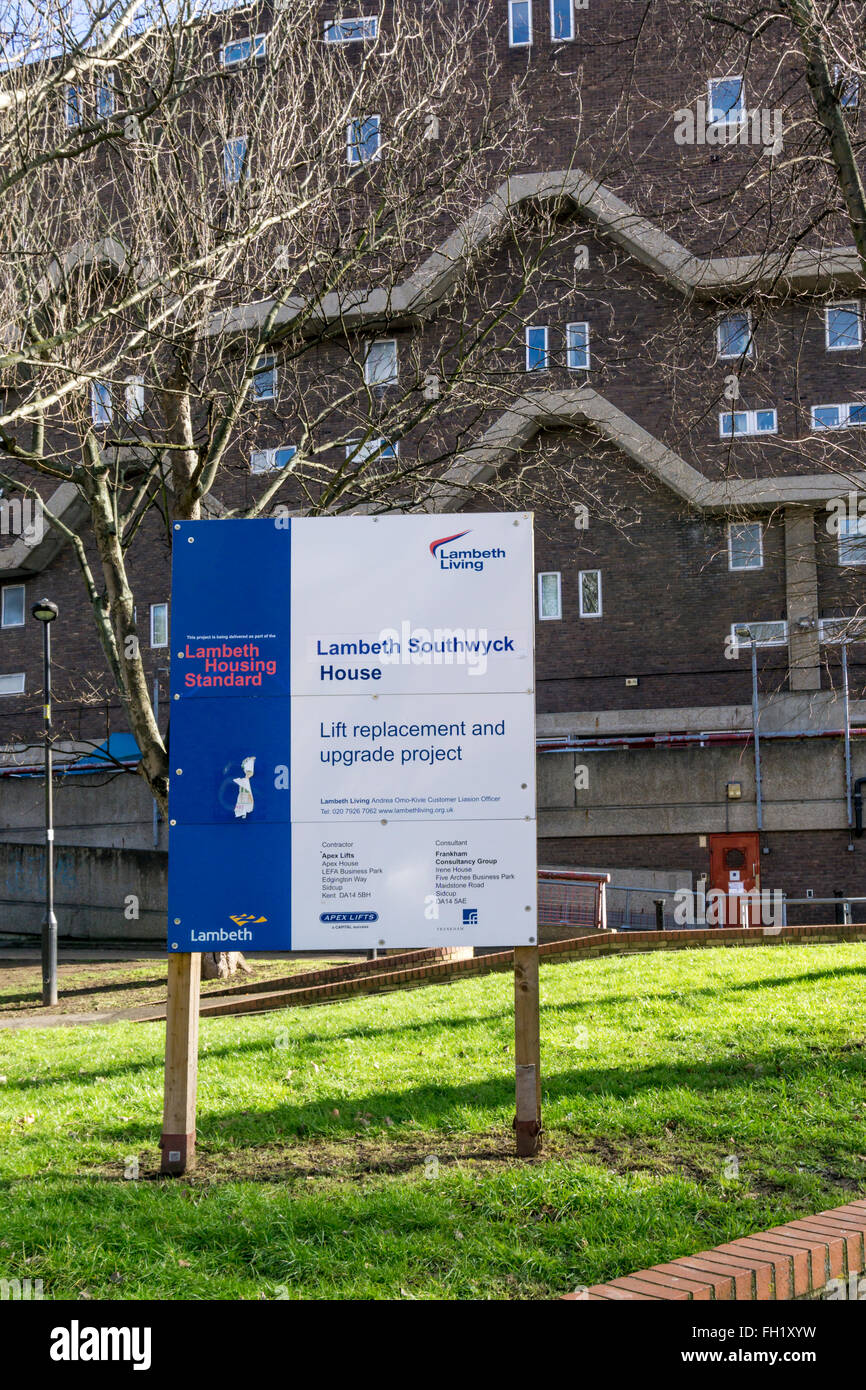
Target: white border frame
point(245, 162)
point(746, 569)
point(844, 536)
point(745, 644)
point(258, 49)
point(850, 79)
point(560, 38)
point(13, 676)
point(749, 354)
point(600, 612)
point(511, 43)
point(837, 641)
point(537, 328)
point(373, 448)
point(331, 24)
point(392, 380)
point(742, 112)
point(267, 363)
point(583, 323)
point(159, 646)
point(843, 304)
point(751, 431)
point(550, 617)
point(3, 590)
point(352, 147)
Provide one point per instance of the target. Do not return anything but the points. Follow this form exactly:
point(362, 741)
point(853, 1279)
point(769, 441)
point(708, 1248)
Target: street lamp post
point(45, 612)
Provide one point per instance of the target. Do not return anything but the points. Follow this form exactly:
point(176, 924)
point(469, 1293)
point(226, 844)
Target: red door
point(735, 871)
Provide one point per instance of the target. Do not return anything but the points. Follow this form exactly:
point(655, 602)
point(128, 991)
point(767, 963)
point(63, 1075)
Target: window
point(537, 356)
point(735, 423)
point(105, 96)
point(12, 685)
point(235, 163)
point(745, 545)
point(836, 417)
point(242, 50)
point(133, 397)
point(362, 450)
point(264, 383)
point(73, 107)
point(832, 630)
point(734, 336)
point(380, 362)
point(363, 140)
point(101, 410)
point(159, 624)
point(852, 541)
point(519, 23)
point(561, 19)
point(843, 327)
point(577, 346)
point(351, 30)
point(726, 105)
point(549, 596)
point(849, 87)
point(590, 593)
point(271, 460)
point(13, 605)
point(770, 634)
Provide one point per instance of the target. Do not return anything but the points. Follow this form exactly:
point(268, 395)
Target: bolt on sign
point(352, 733)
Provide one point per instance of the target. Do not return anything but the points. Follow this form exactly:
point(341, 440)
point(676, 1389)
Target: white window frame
point(381, 381)
point(858, 533)
point(244, 171)
point(583, 613)
point(735, 116)
point(744, 569)
point(844, 422)
point(550, 617)
point(560, 38)
point(538, 328)
point(851, 80)
point(101, 404)
point(13, 676)
point(7, 588)
point(850, 304)
point(745, 643)
point(734, 356)
point(133, 397)
point(106, 84)
point(353, 157)
point(72, 107)
point(153, 609)
point(751, 431)
point(267, 366)
point(333, 27)
point(522, 43)
point(370, 448)
point(267, 461)
point(258, 48)
point(574, 366)
point(828, 637)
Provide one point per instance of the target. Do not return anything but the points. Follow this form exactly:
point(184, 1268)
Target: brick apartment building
point(673, 515)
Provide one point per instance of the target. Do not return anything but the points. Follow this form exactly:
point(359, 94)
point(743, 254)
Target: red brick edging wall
point(821, 1254)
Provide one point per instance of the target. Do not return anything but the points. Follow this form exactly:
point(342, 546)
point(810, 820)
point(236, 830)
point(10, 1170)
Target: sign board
point(352, 736)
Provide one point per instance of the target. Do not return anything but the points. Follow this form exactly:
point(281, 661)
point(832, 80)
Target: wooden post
point(527, 1051)
point(181, 1062)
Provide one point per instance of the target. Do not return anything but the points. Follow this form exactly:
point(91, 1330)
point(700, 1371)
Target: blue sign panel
point(229, 881)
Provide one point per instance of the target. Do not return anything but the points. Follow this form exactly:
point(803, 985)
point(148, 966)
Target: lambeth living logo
point(467, 559)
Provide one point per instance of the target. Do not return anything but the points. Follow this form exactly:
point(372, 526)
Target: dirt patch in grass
point(354, 1160)
point(109, 985)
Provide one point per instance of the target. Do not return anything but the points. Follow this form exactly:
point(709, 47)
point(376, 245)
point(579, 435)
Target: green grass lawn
point(363, 1150)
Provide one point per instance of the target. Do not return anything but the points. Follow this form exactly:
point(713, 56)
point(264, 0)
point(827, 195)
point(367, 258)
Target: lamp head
point(45, 611)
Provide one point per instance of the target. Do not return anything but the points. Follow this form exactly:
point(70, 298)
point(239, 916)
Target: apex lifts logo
point(468, 559)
